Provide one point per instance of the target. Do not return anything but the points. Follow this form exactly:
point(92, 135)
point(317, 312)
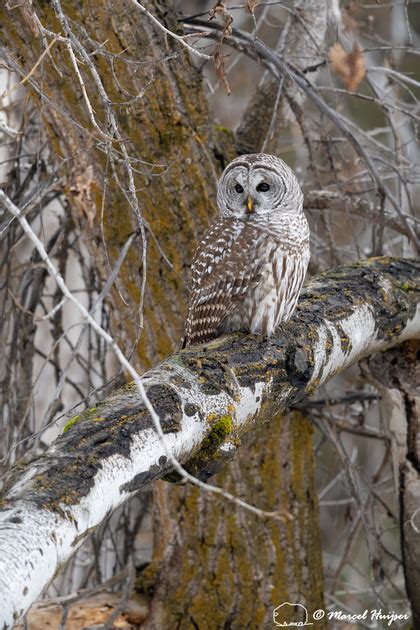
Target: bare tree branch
point(206, 398)
point(256, 49)
point(303, 36)
point(356, 205)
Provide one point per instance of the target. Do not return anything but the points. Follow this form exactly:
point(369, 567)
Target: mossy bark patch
point(209, 458)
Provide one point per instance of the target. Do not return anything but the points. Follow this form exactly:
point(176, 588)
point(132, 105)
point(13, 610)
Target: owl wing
point(223, 270)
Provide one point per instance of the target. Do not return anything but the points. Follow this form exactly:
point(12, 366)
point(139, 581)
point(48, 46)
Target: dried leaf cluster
point(350, 67)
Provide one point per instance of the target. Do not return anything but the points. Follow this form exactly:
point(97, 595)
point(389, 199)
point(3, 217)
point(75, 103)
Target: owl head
point(258, 184)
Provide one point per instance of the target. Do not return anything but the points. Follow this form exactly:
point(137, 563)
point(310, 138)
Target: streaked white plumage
point(249, 268)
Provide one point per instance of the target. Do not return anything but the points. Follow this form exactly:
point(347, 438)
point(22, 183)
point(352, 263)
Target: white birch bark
point(51, 505)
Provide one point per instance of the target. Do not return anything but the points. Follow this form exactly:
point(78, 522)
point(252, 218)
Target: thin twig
point(171, 34)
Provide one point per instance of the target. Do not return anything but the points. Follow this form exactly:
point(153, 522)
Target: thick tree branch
point(206, 397)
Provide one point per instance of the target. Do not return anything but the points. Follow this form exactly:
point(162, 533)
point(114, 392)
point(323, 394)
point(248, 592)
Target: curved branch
point(257, 50)
point(207, 397)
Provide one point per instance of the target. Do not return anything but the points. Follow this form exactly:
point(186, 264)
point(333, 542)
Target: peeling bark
point(211, 395)
point(91, 611)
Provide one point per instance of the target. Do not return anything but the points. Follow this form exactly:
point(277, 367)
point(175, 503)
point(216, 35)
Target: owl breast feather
point(245, 277)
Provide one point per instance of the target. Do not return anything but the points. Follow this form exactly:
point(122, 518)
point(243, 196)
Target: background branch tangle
point(361, 184)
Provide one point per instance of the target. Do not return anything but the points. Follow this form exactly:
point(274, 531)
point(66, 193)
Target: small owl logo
point(288, 614)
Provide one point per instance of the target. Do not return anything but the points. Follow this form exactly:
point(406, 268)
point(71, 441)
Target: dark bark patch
point(345, 341)
point(211, 374)
point(167, 404)
point(191, 410)
point(141, 479)
point(298, 367)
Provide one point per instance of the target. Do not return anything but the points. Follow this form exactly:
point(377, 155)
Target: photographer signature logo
point(293, 615)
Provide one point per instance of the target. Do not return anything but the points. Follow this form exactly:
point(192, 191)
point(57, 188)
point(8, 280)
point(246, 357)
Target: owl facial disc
point(257, 184)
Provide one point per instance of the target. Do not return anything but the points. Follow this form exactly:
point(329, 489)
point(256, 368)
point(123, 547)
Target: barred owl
point(249, 268)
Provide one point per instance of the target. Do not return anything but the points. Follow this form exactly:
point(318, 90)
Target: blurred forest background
point(357, 161)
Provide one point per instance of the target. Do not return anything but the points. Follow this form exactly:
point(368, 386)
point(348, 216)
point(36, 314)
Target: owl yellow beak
point(250, 204)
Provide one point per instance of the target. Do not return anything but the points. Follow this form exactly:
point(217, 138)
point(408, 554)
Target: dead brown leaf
point(220, 10)
point(251, 5)
point(350, 67)
point(219, 66)
point(81, 192)
point(28, 13)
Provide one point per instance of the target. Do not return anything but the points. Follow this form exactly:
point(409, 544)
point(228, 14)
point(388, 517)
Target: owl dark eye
point(239, 188)
point(263, 187)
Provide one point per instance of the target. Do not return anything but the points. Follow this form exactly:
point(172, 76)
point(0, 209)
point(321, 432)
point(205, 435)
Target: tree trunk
point(397, 376)
point(168, 130)
point(216, 565)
